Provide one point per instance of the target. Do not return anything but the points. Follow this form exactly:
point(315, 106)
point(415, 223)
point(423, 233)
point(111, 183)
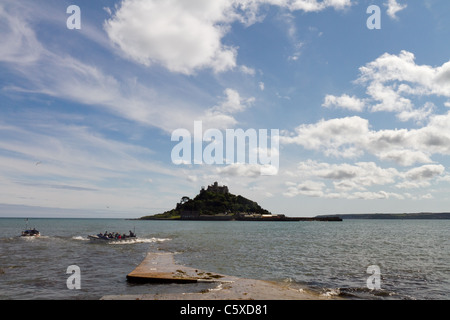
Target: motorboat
point(30, 232)
point(112, 237)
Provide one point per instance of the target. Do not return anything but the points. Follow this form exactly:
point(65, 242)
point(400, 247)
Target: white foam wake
point(140, 240)
point(80, 238)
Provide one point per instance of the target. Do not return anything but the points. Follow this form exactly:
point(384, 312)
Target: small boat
point(112, 237)
point(30, 232)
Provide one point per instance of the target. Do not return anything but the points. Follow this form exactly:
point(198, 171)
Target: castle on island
point(215, 188)
point(210, 205)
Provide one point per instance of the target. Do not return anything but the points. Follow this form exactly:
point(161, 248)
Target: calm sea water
point(330, 258)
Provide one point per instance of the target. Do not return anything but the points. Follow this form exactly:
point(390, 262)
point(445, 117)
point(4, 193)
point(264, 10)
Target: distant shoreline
point(271, 218)
point(396, 216)
point(331, 218)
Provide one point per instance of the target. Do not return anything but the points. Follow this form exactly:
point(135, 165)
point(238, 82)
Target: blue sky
point(86, 116)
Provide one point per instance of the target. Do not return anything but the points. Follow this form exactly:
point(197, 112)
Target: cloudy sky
point(86, 115)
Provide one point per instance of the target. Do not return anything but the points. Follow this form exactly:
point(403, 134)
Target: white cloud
point(220, 116)
point(393, 8)
point(425, 172)
point(351, 138)
point(391, 81)
point(418, 115)
point(233, 102)
point(289, 20)
point(404, 157)
point(60, 75)
point(186, 36)
point(413, 184)
point(434, 138)
point(307, 188)
point(241, 170)
point(183, 36)
point(348, 176)
point(57, 146)
point(247, 70)
point(444, 178)
point(313, 5)
point(345, 102)
point(45, 162)
point(374, 195)
point(316, 189)
point(19, 43)
point(192, 178)
point(359, 180)
point(337, 137)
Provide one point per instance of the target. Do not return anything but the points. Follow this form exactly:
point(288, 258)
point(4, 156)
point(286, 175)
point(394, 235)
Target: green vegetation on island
point(215, 202)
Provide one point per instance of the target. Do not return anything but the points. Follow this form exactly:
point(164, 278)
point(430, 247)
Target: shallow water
point(330, 258)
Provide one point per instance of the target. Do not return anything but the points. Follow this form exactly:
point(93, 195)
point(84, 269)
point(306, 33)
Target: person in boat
point(132, 235)
point(31, 232)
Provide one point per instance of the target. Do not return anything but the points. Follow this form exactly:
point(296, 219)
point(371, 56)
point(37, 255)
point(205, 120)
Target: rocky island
point(216, 203)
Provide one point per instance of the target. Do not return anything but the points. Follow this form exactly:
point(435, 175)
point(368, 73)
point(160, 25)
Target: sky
point(90, 100)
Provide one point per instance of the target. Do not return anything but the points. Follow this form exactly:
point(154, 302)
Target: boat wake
point(358, 293)
point(138, 240)
point(124, 242)
point(80, 238)
point(33, 238)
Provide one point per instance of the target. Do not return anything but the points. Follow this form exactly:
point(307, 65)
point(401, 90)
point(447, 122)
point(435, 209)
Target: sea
point(352, 259)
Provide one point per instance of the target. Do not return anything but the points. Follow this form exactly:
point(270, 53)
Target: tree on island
point(184, 200)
